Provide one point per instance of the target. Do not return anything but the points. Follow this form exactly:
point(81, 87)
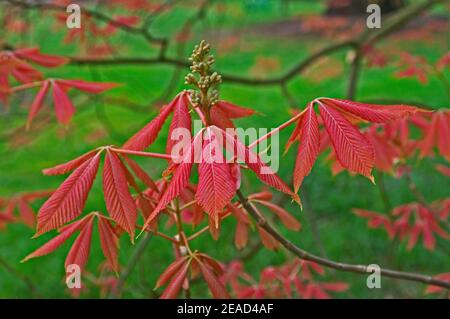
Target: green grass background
point(345, 237)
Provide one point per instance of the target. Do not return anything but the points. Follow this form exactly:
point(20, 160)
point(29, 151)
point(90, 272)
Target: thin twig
point(360, 269)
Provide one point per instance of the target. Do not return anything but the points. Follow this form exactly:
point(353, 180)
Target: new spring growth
point(206, 94)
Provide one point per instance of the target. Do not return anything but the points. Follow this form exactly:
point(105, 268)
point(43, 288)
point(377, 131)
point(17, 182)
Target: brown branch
point(360, 269)
point(142, 31)
point(290, 74)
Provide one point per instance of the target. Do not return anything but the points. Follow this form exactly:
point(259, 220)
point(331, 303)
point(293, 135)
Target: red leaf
point(309, 146)
point(33, 54)
point(119, 202)
point(287, 219)
point(219, 118)
point(90, 87)
point(71, 165)
point(68, 201)
point(140, 173)
point(180, 178)
point(216, 186)
point(267, 240)
point(63, 106)
point(37, 103)
point(444, 170)
point(372, 112)
point(57, 241)
point(254, 162)
point(233, 111)
point(109, 242)
point(147, 135)
point(181, 119)
point(215, 286)
point(79, 253)
point(443, 135)
point(352, 149)
point(335, 286)
point(170, 271)
point(174, 286)
point(429, 138)
point(26, 213)
point(241, 235)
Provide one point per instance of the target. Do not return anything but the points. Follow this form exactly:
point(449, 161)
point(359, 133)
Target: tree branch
point(360, 269)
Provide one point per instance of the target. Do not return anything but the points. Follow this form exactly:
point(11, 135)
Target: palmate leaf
point(64, 108)
point(68, 201)
point(211, 203)
point(436, 134)
point(177, 273)
point(353, 150)
point(57, 241)
point(79, 252)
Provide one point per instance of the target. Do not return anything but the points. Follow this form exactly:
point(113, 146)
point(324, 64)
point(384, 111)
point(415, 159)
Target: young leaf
point(79, 253)
point(175, 284)
point(352, 149)
point(64, 108)
point(37, 103)
point(180, 178)
point(71, 165)
point(181, 119)
point(286, 218)
point(147, 135)
point(68, 201)
point(170, 271)
point(109, 242)
point(57, 241)
point(215, 286)
point(308, 148)
point(233, 111)
point(34, 55)
point(119, 203)
point(216, 186)
point(372, 112)
point(90, 87)
point(254, 162)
